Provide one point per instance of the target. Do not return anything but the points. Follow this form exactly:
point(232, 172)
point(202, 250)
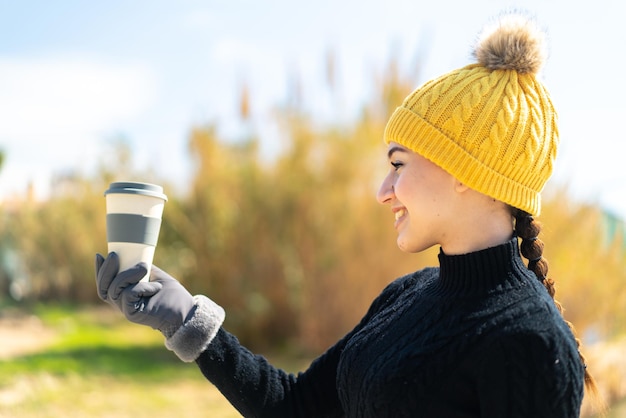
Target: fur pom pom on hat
point(490, 124)
point(513, 43)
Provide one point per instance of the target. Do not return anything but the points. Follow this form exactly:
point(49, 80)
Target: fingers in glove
point(132, 303)
point(146, 289)
point(98, 262)
point(124, 279)
point(136, 307)
point(106, 270)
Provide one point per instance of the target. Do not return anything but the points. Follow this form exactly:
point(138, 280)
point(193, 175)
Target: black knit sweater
point(477, 337)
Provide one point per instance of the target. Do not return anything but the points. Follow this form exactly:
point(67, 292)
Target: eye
point(396, 165)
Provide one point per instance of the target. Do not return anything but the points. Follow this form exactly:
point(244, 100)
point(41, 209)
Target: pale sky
point(76, 75)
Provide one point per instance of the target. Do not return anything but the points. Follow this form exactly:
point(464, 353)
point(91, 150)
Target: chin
point(411, 247)
point(407, 247)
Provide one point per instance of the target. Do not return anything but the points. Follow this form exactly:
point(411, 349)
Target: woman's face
point(422, 198)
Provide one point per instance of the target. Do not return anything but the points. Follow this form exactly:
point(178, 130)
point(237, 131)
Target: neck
point(481, 271)
point(465, 244)
point(485, 223)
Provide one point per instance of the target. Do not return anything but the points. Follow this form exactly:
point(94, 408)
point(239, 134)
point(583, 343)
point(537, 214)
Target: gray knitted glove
point(109, 283)
point(189, 324)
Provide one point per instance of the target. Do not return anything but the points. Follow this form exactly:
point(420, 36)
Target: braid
point(531, 247)
point(528, 229)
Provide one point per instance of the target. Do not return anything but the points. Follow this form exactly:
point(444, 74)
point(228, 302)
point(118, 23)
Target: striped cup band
point(133, 228)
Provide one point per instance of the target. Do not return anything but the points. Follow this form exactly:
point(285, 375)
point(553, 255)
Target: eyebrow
point(394, 149)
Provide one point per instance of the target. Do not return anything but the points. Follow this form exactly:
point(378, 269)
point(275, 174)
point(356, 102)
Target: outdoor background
point(264, 126)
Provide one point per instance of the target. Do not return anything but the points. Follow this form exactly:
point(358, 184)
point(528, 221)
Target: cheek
point(410, 191)
point(404, 187)
point(421, 197)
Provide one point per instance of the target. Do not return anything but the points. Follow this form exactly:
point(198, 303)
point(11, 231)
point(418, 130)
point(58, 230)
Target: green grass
point(99, 365)
point(98, 342)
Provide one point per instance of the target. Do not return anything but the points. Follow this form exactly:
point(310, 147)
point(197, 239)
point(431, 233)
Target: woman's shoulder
point(531, 323)
point(403, 285)
point(412, 281)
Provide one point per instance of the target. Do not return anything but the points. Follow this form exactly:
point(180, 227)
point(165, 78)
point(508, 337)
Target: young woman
point(479, 336)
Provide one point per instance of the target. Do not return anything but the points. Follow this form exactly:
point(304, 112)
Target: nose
point(386, 191)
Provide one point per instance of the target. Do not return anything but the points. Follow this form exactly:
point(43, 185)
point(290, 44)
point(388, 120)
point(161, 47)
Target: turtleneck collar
point(491, 269)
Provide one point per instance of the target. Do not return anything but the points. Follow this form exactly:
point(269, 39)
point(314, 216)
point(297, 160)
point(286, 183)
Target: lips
point(399, 214)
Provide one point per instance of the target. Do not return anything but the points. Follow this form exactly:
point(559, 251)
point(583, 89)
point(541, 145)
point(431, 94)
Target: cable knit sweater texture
point(477, 337)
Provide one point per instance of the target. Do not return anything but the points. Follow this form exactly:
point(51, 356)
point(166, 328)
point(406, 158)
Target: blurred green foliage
point(96, 343)
point(94, 363)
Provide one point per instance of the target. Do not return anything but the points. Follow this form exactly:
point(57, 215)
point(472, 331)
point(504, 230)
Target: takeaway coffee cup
point(133, 221)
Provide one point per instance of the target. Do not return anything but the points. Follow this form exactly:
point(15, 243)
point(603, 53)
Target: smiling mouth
point(399, 214)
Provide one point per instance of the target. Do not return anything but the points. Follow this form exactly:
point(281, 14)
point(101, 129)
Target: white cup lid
point(131, 187)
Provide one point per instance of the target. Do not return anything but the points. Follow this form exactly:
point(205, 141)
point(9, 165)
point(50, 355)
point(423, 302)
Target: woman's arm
point(258, 389)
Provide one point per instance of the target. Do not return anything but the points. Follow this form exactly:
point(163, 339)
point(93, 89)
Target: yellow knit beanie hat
point(490, 124)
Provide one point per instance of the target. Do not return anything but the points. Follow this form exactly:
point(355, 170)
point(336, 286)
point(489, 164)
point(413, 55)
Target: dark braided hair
point(531, 247)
